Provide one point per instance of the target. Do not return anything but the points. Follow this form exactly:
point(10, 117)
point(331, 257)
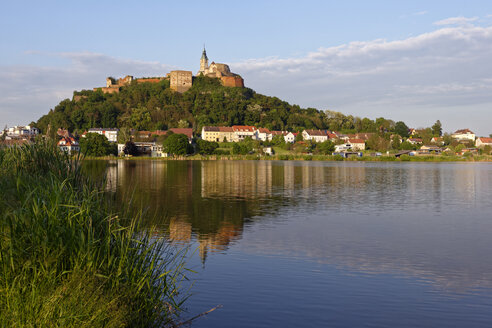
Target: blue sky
point(416, 61)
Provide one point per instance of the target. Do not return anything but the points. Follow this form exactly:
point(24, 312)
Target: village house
point(68, 144)
point(482, 142)
point(20, 131)
point(290, 137)
point(264, 134)
point(357, 144)
point(218, 133)
point(463, 135)
point(243, 131)
point(110, 133)
point(438, 140)
point(427, 149)
point(414, 141)
point(315, 135)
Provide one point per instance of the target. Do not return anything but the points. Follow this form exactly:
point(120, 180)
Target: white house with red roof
point(483, 141)
point(68, 144)
point(244, 131)
point(290, 137)
point(463, 135)
point(414, 141)
point(357, 144)
point(315, 135)
point(264, 134)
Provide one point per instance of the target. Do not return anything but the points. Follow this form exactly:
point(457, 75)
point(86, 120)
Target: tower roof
point(204, 54)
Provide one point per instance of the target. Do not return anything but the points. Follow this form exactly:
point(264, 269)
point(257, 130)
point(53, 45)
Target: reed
point(67, 261)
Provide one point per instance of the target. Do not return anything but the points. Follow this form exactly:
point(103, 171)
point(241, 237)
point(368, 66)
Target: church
point(220, 71)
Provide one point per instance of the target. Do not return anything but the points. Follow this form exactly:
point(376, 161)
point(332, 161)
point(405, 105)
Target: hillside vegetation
point(151, 106)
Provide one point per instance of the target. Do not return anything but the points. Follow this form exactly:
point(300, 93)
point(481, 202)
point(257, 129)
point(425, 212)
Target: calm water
point(324, 244)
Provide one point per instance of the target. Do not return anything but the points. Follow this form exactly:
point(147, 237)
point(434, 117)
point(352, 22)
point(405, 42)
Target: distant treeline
point(154, 106)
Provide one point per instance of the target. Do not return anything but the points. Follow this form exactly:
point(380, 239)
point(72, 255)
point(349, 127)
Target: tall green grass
point(66, 261)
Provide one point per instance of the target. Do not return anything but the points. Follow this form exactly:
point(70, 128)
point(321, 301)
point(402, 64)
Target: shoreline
point(325, 158)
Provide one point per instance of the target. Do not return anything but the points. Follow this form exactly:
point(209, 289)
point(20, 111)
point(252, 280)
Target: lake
point(323, 244)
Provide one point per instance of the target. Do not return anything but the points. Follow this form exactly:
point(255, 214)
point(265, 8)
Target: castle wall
point(232, 81)
point(181, 81)
point(108, 89)
point(152, 80)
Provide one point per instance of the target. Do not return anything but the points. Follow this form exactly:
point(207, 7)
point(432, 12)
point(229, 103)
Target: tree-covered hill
point(151, 106)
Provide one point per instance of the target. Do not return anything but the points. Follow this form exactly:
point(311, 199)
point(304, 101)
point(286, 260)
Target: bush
point(338, 157)
point(222, 152)
point(205, 147)
point(405, 158)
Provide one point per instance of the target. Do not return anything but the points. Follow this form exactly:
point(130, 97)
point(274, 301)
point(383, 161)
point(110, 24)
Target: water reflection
point(427, 220)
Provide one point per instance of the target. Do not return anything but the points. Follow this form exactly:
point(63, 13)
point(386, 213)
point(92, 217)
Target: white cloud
point(420, 13)
point(443, 75)
point(457, 21)
point(28, 92)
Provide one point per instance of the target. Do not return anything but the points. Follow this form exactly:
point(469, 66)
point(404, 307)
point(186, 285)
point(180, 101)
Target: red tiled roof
point(316, 132)
point(355, 141)
point(243, 128)
point(485, 140)
point(463, 131)
point(69, 141)
point(186, 131)
point(263, 130)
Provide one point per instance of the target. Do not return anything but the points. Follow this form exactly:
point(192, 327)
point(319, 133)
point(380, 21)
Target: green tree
point(437, 129)
point(95, 144)
point(177, 144)
point(124, 135)
point(131, 149)
point(205, 147)
point(326, 147)
point(140, 119)
point(405, 145)
point(299, 137)
point(402, 129)
point(395, 142)
point(459, 148)
point(183, 124)
point(278, 140)
point(242, 148)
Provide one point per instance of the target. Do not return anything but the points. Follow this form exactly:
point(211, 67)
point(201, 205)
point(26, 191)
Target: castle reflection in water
point(213, 201)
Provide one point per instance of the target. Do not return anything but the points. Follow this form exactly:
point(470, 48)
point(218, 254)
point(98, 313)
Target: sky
point(415, 61)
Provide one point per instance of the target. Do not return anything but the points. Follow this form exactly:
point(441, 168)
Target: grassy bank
point(65, 261)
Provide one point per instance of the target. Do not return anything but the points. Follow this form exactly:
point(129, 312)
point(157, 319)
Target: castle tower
point(203, 62)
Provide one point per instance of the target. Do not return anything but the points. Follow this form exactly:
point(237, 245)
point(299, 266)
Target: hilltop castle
point(181, 81)
point(221, 71)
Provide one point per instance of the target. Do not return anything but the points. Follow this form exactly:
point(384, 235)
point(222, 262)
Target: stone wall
point(232, 81)
point(112, 89)
point(150, 80)
point(181, 81)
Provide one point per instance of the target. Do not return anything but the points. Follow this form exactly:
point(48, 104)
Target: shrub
point(338, 157)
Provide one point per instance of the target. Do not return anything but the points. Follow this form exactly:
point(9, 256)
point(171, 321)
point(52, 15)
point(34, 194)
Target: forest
point(154, 106)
